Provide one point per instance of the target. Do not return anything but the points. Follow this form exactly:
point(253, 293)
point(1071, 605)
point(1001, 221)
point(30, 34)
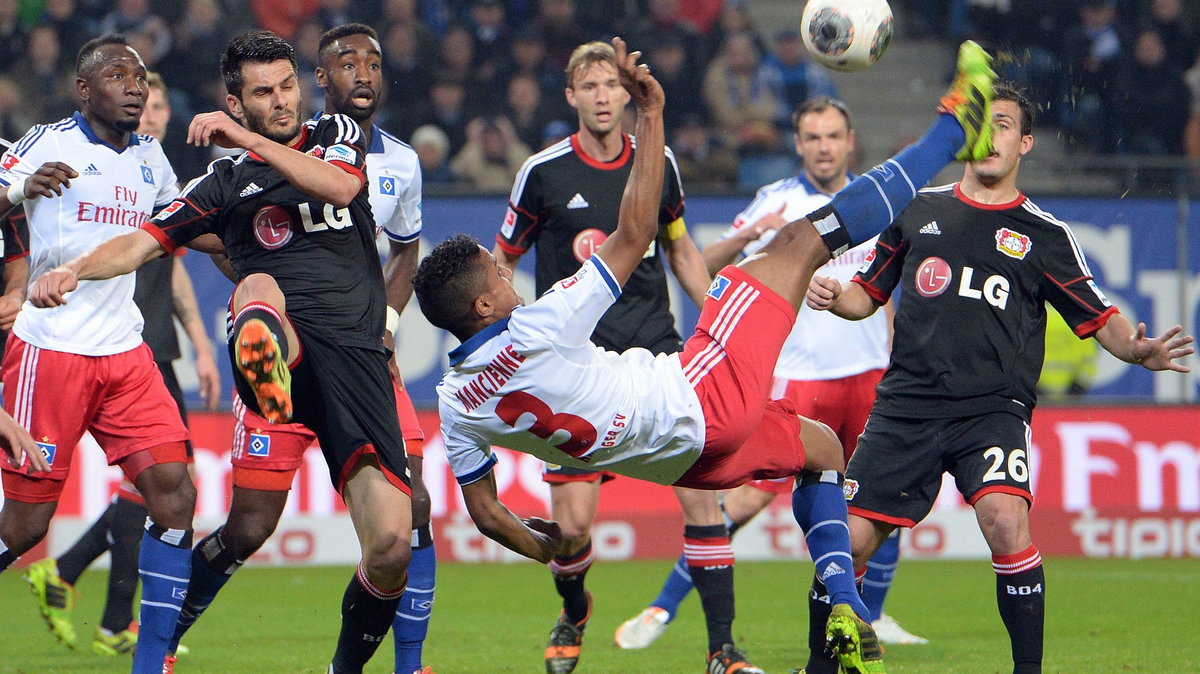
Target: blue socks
point(820, 509)
point(871, 201)
point(881, 570)
point(164, 565)
point(412, 616)
point(675, 589)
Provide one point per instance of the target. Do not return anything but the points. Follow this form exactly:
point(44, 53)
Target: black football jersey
point(323, 258)
point(15, 233)
point(971, 319)
point(568, 203)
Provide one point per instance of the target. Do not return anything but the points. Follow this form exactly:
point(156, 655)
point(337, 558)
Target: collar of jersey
point(376, 137)
point(813, 189)
point(987, 207)
point(295, 146)
point(460, 352)
point(90, 134)
point(618, 162)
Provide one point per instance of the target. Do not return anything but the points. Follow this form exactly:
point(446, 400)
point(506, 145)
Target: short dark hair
point(820, 104)
point(257, 46)
point(1004, 91)
point(86, 60)
point(345, 30)
point(447, 281)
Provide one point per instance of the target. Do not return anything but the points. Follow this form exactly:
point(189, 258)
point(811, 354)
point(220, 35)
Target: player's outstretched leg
point(411, 624)
point(853, 641)
point(55, 598)
point(881, 572)
point(970, 101)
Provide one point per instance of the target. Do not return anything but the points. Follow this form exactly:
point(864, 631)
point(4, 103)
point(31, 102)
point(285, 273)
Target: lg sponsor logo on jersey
point(934, 274)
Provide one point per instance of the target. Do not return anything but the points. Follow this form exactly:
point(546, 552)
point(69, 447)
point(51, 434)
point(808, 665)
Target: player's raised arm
point(114, 257)
point(637, 224)
point(533, 537)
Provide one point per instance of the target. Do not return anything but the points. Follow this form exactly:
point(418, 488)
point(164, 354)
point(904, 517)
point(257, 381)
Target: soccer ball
point(846, 34)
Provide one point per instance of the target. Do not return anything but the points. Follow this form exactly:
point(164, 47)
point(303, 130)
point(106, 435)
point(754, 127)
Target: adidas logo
point(577, 201)
point(250, 189)
point(832, 570)
point(931, 228)
point(91, 170)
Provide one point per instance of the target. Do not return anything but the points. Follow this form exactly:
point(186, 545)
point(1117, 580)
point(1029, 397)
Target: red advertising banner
point(1108, 482)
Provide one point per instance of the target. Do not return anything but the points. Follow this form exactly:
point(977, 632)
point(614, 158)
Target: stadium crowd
point(476, 85)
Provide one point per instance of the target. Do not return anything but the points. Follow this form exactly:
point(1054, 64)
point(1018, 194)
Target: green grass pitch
point(1102, 616)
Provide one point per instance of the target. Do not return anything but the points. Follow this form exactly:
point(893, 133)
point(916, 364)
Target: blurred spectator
point(407, 76)
point(606, 18)
point(740, 100)
point(492, 156)
point(446, 108)
point(404, 14)
point(733, 19)
point(306, 41)
point(527, 57)
point(702, 14)
point(433, 150)
point(283, 17)
point(1191, 136)
point(70, 26)
point(134, 17)
point(1092, 54)
point(13, 38)
point(555, 132)
point(668, 62)
point(332, 13)
point(1178, 35)
point(1034, 38)
point(458, 61)
point(189, 68)
point(1155, 98)
point(561, 31)
point(662, 23)
point(49, 90)
point(793, 79)
point(486, 23)
point(15, 117)
point(526, 109)
point(703, 161)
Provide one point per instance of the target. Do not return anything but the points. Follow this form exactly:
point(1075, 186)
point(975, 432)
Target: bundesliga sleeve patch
point(342, 153)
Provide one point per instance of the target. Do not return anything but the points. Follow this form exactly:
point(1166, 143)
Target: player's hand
point(49, 289)
point(1160, 353)
point(771, 221)
point(646, 92)
point(18, 444)
point(49, 180)
point(823, 293)
point(210, 379)
point(549, 537)
point(217, 127)
point(10, 306)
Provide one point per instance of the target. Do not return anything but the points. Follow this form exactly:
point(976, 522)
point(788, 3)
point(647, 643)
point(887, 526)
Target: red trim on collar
point(987, 207)
point(621, 159)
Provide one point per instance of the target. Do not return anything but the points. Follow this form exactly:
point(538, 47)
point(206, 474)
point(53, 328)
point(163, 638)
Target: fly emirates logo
point(122, 210)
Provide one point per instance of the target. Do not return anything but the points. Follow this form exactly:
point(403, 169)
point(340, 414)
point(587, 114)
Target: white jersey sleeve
point(568, 313)
point(394, 176)
point(469, 457)
point(27, 155)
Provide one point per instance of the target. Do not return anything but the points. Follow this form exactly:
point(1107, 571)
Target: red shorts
point(842, 404)
point(266, 456)
point(120, 399)
point(729, 361)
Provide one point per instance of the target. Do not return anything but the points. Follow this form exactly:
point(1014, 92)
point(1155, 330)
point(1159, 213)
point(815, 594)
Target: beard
point(258, 124)
point(127, 125)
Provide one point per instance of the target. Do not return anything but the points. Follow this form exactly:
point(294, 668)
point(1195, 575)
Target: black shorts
point(344, 395)
point(553, 473)
point(896, 471)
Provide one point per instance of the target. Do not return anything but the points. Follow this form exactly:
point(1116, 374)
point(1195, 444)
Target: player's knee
point(1005, 525)
point(169, 493)
point(822, 449)
point(21, 534)
point(575, 532)
point(246, 535)
point(387, 558)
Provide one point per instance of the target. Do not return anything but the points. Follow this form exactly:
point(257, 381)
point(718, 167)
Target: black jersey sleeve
point(1067, 284)
point(522, 219)
point(885, 264)
point(16, 235)
point(343, 143)
point(672, 196)
point(195, 211)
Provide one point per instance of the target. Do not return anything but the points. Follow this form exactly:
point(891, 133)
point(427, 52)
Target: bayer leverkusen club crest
point(1012, 244)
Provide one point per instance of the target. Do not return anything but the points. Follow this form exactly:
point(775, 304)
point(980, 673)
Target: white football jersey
point(394, 181)
point(821, 345)
point(117, 190)
point(536, 384)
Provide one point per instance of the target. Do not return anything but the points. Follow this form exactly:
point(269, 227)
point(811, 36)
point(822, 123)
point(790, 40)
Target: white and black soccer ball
point(846, 34)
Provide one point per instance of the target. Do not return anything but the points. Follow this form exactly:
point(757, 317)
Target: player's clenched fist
point(49, 289)
point(646, 92)
point(823, 293)
point(49, 180)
